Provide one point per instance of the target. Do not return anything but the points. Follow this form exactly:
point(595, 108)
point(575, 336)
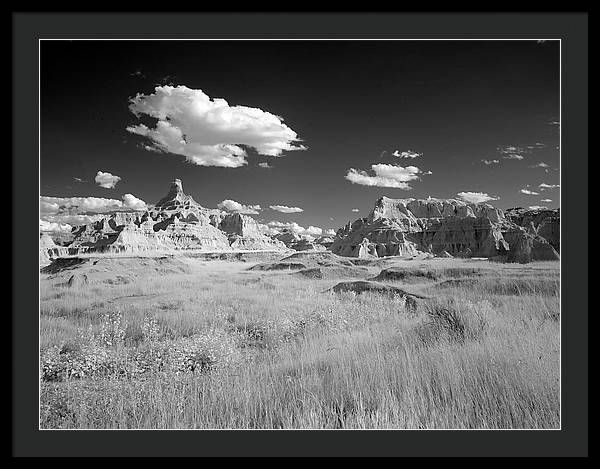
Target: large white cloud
point(386, 175)
point(106, 180)
point(236, 207)
point(285, 209)
point(209, 132)
point(476, 197)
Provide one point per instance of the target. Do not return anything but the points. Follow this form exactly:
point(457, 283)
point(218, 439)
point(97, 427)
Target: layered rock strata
point(406, 227)
point(176, 222)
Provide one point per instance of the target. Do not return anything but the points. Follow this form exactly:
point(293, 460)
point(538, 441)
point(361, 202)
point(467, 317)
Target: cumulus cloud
point(537, 207)
point(329, 232)
point(386, 175)
point(489, 162)
point(236, 207)
point(78, 205)
point(309, 232)
point(132, 202)
point(70, 219)
point(407, 154)
point(546, 200)
point(528, 192)
point(54, 226)
point(106, 180)
point(544, 186)
point(209, 132)
point(265, 165)
point(285, 209)
point(476, 197)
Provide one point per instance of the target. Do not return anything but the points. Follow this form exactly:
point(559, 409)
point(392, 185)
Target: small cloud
point(356, 210)
point(407, 154)
point(386, 175)
point(78, 180)
point(476, 197)
point(285, 209)
point(489, 162)
point(427, 173)
point(544, 186)
point(513, 157)
point(311, 231)
point(540, 165)
point(512, 152)
point(137, 73)
point(106, 180)
point(236, 207)
point(537, 207)
point(265, 165)
point(132, 202)
point(528, 192)
point(546, 200)
point(554, 122)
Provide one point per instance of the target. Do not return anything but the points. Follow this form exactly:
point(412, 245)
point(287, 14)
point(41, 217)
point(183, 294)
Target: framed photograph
point(300, 234)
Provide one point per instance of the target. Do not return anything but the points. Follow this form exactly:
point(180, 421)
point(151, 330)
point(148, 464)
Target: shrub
point(203, 352)
point(455, 320)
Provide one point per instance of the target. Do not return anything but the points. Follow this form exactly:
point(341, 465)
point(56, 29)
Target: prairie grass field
point(187, 343)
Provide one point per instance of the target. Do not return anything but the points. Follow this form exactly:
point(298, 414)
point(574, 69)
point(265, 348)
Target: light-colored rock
point(176, 222)
point(407, 227)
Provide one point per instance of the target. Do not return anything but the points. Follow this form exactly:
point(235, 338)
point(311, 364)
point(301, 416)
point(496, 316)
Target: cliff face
point(544, 223)
point(407, 226)
point(176, 222)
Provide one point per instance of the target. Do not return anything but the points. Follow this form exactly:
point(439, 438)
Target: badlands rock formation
point(176, 222)
point(405, 227)
point(297, 242)
point(49, 249)
point(541, 222)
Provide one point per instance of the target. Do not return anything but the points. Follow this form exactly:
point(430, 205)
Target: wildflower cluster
point(203, 352)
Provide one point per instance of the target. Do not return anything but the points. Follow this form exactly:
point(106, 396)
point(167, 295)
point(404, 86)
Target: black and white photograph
point(318, 232)
point(366, 237)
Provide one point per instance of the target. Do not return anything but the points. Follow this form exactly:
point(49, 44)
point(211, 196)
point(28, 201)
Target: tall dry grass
point(483, 355)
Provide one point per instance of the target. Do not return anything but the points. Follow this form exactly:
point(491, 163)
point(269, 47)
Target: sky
point(305, 132)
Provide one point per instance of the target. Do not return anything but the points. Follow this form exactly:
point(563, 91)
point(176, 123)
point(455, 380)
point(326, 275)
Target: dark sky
point(455, 102)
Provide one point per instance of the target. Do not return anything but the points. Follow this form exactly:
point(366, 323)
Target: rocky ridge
point(176, 222)
point(406, 227)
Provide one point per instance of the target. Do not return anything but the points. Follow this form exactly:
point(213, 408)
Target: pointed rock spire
point(176, 199)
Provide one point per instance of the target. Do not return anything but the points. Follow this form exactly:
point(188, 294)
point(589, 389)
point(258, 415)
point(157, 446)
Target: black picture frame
point(570, 440)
